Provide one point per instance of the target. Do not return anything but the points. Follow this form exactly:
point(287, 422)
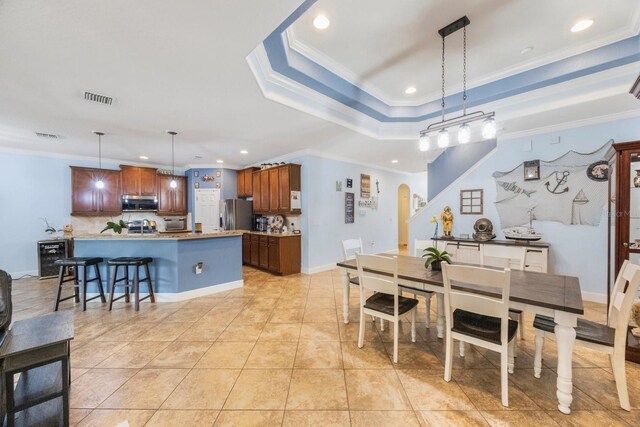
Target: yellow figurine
point(447, 221)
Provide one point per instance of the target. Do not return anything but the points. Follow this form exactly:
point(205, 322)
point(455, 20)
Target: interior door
point(207, 209)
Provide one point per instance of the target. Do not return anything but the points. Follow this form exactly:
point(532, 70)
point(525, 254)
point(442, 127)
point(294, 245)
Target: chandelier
point(464, 130)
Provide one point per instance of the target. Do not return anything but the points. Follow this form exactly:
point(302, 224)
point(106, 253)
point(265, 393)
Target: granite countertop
point(187, 235)
point(271, 234)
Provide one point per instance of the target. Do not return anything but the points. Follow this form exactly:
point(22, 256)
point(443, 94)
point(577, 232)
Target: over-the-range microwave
point(139, 203)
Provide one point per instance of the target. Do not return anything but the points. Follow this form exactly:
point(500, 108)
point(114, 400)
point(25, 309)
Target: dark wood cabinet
point(87, 200)
point(264, 190)
point(274, 190)
point(138, 181)
point(171, 201)
point(245, 182)
point(257, 197)
point(273, 194)
point(277, 254)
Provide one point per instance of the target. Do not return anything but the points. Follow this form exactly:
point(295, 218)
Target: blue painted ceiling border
point(312, 75)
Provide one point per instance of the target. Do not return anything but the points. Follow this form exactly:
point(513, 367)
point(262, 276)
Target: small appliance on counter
point(142, 226)
point(262, 222)
point(139, 203)
point(175, 225)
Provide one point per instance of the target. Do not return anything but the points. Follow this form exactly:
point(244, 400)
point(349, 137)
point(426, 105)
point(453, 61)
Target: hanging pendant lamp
point(99, 182)
point(173, 183)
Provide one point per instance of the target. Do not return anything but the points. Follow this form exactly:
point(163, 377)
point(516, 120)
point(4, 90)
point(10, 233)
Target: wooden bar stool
point(77, 263)
point(136, 263)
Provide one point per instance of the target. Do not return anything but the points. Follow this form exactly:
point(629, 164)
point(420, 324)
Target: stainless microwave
point(139, 203)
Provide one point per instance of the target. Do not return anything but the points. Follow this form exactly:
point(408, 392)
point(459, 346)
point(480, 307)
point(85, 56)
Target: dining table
point(554, 295)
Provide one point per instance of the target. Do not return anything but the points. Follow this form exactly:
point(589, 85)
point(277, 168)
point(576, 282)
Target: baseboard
point(17, 274)
point(187, 295)
point(319, 269)
point(594, 297)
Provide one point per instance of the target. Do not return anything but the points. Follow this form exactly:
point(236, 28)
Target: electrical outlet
point(199, 267)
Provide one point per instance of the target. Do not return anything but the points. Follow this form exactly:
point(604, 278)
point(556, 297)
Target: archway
point(404, 207)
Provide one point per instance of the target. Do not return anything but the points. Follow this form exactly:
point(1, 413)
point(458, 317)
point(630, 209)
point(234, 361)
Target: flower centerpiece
point(434, 220)
point(435, 258)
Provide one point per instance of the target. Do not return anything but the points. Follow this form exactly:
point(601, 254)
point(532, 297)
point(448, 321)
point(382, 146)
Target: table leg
point(440, 318)
point(345, 294)
point(565, 337)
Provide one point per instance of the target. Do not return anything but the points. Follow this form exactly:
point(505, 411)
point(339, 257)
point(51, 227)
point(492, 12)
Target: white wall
point(576, 250)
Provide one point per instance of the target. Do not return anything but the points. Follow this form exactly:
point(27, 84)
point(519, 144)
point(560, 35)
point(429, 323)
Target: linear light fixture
point(442, 127)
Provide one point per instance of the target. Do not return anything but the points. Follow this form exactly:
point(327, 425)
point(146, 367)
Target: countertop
point(159, 236)
point(264, 233)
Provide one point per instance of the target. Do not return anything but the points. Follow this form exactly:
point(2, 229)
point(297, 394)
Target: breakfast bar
point(175, 271)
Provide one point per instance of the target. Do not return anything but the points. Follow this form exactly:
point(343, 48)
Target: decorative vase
point(636, 179)
point(436, 266)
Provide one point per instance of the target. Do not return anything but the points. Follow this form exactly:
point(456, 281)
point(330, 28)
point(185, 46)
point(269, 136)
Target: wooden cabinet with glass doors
point(624, 219)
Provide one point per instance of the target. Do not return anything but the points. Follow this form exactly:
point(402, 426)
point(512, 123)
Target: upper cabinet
point(87, 200)
point(138, 181)
point(172, 201)
point(272, 189)
point(245, 182)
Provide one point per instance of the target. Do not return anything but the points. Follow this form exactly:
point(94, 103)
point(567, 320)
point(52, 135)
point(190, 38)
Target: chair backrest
point(503, 256)
point(350, 248)
point(494, 281)
point(624, 293)
point(420, 245)
point(386, 265)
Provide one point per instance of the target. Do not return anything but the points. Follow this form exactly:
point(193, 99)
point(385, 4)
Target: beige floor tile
point(168, 418)
point(317, 389)
point(77, 373)
point(230, 354)
point(89, 356)
point(427, 390)
point(164, 332)
point(116, 417)
point(92, 388)
point(384, 419)
point(471, 360)
point(483, 388)
point(280, 332)
point(202, 331)
point(249, 419)
point(187, 315)
point(320, 332)
point(319, 315)
point(260, 389)
point(287, 315)
point(76, 415)
point(318, 354)
point(253, 314)
point(221, 315)
point(242, 332)
point(452, 418)
point(128, 331)
point(316, 419)
point(632, 417)
point(203, 389)
point(135, 354)
point(375, 389)
point(350, 331)
point(146, 390)
point(180, 354)
point(371, 356)
point(600, 385)
point(415, 355)
point(587, 419)
point(268, 354)
point(518, 418)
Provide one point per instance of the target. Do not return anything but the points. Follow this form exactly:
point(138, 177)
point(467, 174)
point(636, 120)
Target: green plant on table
point(50, 228)
point(435, 257)
point(117, 227)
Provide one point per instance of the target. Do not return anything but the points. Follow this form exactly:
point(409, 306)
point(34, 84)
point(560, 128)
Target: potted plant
point(117, 227)
point(435, 258)
point(49, 228)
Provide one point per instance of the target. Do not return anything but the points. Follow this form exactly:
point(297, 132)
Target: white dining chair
point(350, 248)
point(480, 320)
point(418, 247)
point(492, 255)
point(610, 338)
point(386, 303)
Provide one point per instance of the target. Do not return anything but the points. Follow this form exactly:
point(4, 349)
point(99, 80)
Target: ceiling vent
point(96, 97)
point(48, 135)
point(635, 89)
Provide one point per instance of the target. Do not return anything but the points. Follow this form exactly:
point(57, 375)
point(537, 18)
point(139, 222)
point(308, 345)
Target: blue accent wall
point(228, 181)
point(454, 162)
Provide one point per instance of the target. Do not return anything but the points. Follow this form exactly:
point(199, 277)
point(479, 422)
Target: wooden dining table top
point(553, 291)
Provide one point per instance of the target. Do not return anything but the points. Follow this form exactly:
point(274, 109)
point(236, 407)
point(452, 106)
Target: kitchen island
point(175, 257)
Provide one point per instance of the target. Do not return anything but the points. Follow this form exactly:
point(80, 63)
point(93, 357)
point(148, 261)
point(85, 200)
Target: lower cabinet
point(277, 254)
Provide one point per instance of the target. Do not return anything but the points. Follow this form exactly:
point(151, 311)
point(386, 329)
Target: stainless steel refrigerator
point(237, 214)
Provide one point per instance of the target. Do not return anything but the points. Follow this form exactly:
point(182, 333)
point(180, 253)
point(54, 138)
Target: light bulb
point(489, 128)
point(99, 184)
point(424, 142)
point(443, 138)
point(173, 183)
point(464, 133)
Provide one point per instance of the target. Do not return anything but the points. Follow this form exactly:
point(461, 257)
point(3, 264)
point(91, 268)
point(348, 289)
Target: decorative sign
point(471, 202)
point(349, 208)
point(365, 186)
point(338, 185)
point(349, 183)
point(296, 201)
point(532, 170)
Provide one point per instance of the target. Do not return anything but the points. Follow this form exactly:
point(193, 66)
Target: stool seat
point(130, 260)
point(76, 261)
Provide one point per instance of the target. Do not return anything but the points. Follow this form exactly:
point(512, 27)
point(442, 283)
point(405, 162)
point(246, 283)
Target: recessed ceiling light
point(244, 152)
point(321, 22)
point(410, 90)
point(526, 50)
point(394, 161)
point(219, 161)
point(582, 25)
point(144, 158)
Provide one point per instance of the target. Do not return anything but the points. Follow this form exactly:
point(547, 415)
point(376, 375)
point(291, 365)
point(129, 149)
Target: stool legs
point(84, 287)
point(76, 288)
point(136, 286)
point(126, 289)
point(151, 296)
point(102, 298)
point(60, 281)
point(112, 286)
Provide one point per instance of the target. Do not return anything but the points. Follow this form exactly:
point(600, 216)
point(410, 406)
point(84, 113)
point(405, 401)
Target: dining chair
point(610, 338)
point(506, 257)
point(418, 247)
point(479, 319)
point(386, 303)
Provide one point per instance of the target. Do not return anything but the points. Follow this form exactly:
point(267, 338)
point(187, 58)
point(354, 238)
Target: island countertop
point(187, 235)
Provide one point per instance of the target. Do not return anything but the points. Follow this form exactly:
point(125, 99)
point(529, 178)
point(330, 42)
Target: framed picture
point(349, 208)
point(217, 185)
point(196, 174)
point(472, 202)
point(532, 170)
point(365, 186)
point(196, 185)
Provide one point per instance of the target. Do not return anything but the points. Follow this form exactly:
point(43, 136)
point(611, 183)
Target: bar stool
point(78, 262)
point(136, 263)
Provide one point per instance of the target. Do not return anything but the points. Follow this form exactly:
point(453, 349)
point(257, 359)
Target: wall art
point(365, 186)
point(349, 183)
point(349, 208)
point(532, 170)
point(472, 202)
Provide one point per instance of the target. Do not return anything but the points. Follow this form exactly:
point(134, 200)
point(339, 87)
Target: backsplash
point(93, 225)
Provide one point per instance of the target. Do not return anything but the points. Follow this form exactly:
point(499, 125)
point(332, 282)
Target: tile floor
point(277, 353)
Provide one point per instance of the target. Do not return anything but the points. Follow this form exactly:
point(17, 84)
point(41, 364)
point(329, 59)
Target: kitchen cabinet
point(274, 190)
point(87, 200)
point(257, 197)
point(138, 181)
point(275, 253)
point(264, 190)
point(273, 194)
point(171, 201)
point(245, 182)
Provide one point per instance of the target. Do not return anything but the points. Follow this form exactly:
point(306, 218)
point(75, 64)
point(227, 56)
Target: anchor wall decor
point(560, 180)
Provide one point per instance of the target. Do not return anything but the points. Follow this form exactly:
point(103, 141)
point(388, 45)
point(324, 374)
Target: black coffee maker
point(261, 223)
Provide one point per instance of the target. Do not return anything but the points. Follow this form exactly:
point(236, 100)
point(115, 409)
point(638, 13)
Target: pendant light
point(99, 182)
point(424, 143)
point(173, 183)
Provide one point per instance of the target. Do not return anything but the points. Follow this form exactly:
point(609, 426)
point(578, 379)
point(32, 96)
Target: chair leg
point(361, 329)
point(537, 360)
point(461, 348)
point(113, 286)
point(413, 325)
point(100, 289)
point(84, 288)
point(60, 278)
point(382, 325)
point(126, 281)
point(504, 376)
point(510, 353)
point(448, 359)
point(521, 324)
point(396, 331)
point(136, 286)
point(427, 302)
point(620, 376)
point(146, 270)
